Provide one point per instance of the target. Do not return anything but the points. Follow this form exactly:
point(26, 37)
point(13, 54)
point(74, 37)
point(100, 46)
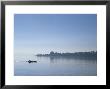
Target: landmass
point(89, 54)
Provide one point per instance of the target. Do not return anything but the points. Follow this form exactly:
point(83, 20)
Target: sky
point(42, 33)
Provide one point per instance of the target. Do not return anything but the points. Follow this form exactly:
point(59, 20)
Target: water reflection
point(56, 66)
point(67, 59)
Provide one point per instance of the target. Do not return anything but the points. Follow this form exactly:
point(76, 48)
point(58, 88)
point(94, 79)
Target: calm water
point(47, 66)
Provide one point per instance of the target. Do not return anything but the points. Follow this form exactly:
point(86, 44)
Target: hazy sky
point(42, 33)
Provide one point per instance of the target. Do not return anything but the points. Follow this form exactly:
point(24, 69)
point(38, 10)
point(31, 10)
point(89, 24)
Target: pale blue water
point(47, 66)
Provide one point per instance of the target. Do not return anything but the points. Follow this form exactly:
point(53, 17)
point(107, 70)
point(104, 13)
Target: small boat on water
point(30, 61)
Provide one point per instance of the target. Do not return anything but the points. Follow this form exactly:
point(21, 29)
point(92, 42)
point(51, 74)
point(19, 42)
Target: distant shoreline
point(69, 55)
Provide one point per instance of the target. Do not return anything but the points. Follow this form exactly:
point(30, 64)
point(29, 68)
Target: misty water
point(47, 66)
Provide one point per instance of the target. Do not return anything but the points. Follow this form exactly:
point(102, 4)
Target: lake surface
point(47, 66)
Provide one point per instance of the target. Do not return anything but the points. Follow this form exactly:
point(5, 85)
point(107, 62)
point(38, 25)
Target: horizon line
point(71, 52)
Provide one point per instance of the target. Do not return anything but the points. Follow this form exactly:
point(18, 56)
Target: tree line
point(76, 54)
